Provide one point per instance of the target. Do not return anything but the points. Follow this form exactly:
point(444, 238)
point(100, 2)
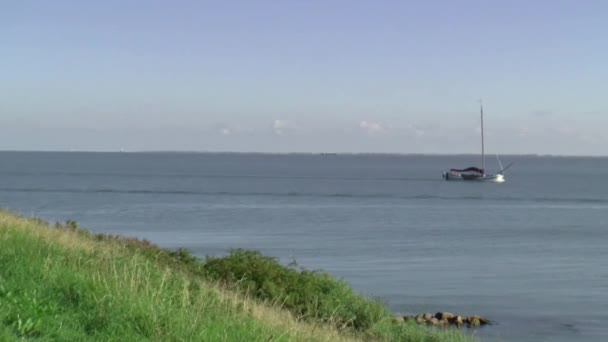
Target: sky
point(304, 76)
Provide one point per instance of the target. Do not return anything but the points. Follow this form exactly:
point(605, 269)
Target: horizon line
point(307, 153)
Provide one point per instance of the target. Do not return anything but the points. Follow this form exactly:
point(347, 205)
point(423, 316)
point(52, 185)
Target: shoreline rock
point(445, 319)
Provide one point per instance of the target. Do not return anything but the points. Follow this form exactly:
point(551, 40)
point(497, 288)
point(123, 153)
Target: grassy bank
point(61, 283)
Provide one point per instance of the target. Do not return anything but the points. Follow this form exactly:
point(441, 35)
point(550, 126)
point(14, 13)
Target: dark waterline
point(529, 253)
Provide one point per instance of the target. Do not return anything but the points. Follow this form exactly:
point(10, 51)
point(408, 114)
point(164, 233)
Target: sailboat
point(474, 173)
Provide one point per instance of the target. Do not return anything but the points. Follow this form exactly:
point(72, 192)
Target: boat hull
point(451, 176)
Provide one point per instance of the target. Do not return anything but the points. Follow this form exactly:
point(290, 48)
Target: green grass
point(311, 295)
point(64, 284)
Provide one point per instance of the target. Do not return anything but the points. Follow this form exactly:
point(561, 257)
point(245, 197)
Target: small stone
point(408, 318)
point(474, 321)
point(427, 316)
point(433, 321)
point(457, 320)
point(443, 315)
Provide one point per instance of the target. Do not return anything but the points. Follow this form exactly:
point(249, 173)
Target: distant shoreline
point(325, 154)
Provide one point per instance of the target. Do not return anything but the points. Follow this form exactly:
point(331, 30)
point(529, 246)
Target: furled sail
point(469, 169)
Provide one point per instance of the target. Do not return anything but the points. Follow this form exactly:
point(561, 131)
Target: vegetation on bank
point(62, 283)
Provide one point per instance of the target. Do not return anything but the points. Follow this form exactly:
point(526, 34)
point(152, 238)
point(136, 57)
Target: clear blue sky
point(304, 76)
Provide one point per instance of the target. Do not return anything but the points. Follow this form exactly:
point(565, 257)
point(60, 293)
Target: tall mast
point(483, 164)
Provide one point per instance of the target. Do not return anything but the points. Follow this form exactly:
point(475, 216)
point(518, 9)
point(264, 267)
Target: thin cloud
point(415, 130)
point(542, 113)
point(282, 127)
point(595, 113)
point(523, 131)
point(566, 130)
point(372, 128)
point(229, 130)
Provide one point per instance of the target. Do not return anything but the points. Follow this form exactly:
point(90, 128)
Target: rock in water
point(444, 319)
point(456, 320)
point(474, 321)
point(433, 321)
point(444, 315)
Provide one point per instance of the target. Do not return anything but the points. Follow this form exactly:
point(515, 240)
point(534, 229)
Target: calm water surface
point(530, 254)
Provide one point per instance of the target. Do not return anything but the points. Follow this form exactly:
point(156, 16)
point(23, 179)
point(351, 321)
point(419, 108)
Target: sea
point(531, 254)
